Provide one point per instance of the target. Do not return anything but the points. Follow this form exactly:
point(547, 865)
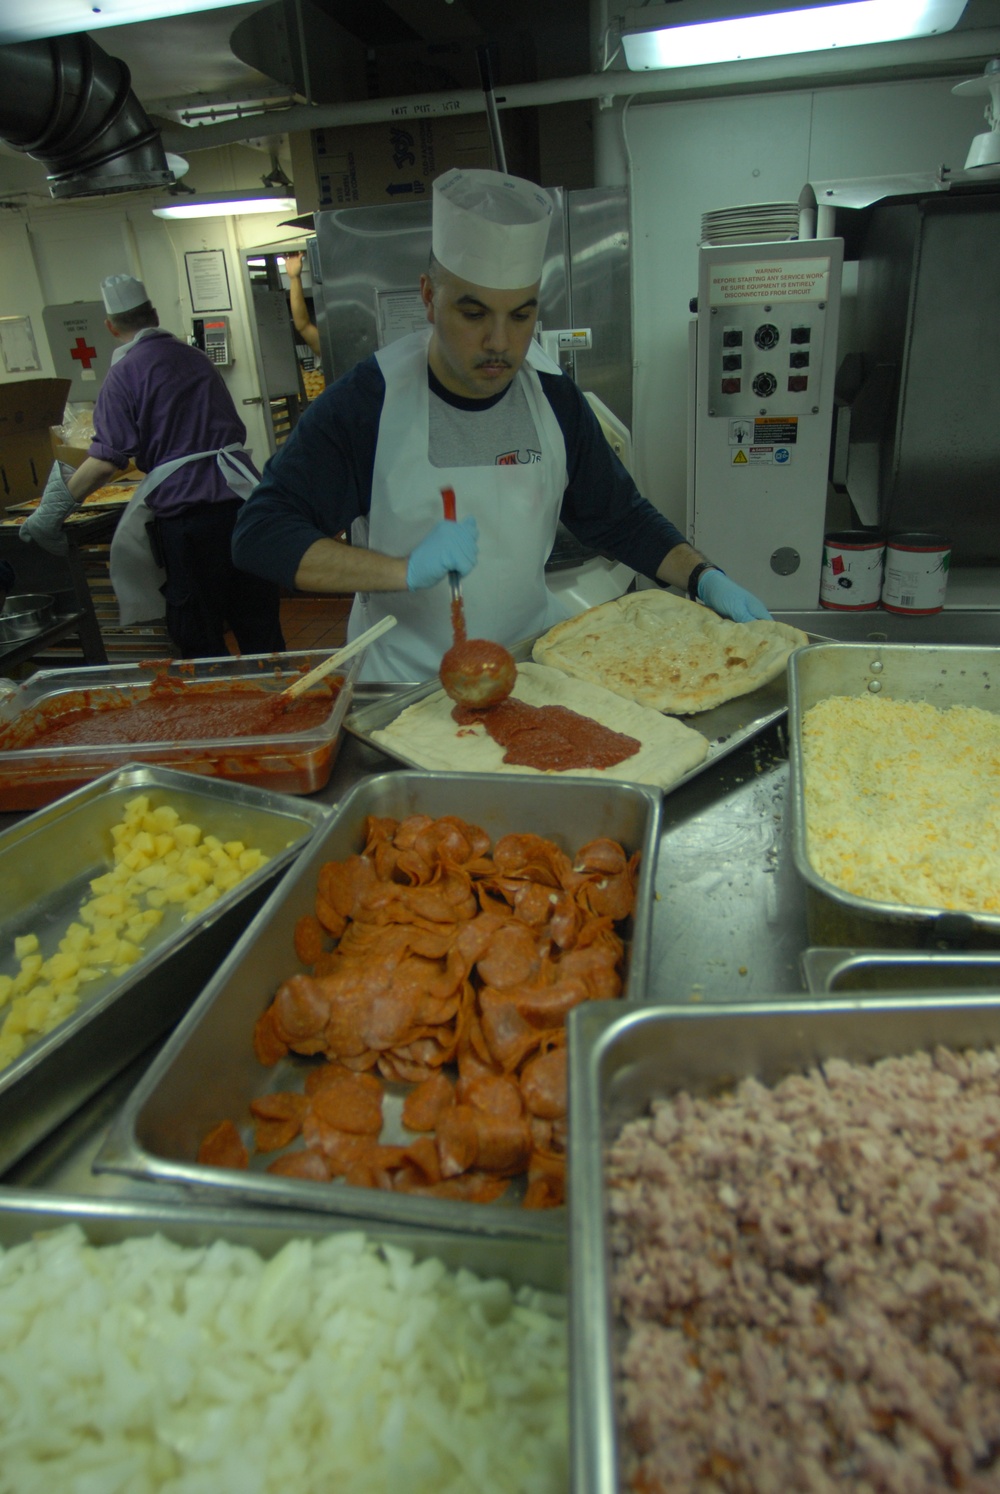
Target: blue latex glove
point(45, 525)
point(723, 596)
point(450, 546)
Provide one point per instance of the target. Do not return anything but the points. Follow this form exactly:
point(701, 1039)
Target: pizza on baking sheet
point(667, 653)
point(426, 733)
point(112, 492)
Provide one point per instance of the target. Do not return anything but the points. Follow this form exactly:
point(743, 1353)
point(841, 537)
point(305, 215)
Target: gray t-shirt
point(497, 434)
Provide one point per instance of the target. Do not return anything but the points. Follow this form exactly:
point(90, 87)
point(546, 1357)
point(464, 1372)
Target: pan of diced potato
point(116, 905)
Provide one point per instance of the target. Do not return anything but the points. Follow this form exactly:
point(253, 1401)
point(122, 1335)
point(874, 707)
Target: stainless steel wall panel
point(601, 281)
point(927, 308)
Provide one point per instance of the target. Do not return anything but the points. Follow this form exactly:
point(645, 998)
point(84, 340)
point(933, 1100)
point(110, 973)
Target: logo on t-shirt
point(519, 458)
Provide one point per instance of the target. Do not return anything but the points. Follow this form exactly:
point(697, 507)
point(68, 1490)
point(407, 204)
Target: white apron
point(516, 508)
point(136, 578)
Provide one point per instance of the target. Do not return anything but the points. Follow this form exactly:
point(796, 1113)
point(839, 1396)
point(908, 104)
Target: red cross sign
point(83, 352)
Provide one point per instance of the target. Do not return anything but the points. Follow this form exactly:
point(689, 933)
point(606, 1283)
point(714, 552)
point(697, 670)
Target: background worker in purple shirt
point(164, 406)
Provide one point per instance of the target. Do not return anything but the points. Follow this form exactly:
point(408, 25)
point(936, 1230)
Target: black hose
point(66, 103)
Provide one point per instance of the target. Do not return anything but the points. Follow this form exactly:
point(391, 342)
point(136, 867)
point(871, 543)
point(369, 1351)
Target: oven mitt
point(450, 546)
point(45, 525)
point(729, 600)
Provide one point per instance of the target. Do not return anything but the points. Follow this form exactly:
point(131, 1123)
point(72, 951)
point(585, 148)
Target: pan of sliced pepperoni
point(409, 1046)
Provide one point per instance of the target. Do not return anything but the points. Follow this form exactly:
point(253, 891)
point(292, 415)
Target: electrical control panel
point(763, 365)
point(762, 357)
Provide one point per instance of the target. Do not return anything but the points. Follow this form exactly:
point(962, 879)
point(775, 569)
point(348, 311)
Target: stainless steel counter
point(729, 924)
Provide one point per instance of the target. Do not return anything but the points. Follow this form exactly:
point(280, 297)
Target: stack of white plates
point(754, 223)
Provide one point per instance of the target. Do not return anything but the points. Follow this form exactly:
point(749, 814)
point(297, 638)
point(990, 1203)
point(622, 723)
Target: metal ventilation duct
point(66, 103)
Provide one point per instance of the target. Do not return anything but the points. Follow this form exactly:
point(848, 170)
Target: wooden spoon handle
point(342, 654)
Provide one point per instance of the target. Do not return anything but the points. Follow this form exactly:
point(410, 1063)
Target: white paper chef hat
point(122, 293)
point(490, 228)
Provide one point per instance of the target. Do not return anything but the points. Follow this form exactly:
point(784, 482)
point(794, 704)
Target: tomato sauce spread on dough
point(171, 713)
point(549, 737)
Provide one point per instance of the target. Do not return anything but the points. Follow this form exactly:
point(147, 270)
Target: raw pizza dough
point(426, 735)
point(668, 653)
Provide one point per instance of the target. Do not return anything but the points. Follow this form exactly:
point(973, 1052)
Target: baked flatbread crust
point(426, 735)
point(667, 653)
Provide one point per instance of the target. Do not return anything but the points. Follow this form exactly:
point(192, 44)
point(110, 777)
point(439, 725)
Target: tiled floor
point(314, 622)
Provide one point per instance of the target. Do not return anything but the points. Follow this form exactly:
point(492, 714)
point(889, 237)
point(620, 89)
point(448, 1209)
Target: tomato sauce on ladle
point(475, 672)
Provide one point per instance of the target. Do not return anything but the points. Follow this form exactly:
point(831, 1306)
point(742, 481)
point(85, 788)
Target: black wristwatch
point(695, 576)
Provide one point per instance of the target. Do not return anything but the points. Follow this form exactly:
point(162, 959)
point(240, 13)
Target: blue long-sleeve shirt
point(320, 480)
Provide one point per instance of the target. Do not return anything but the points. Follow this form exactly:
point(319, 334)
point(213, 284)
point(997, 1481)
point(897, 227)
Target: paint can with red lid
point(916, 573)
point(851, 578)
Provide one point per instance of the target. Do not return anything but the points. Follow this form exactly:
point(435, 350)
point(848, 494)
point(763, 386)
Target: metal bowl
point(24, 614)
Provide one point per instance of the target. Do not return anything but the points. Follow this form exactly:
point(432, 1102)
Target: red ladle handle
point(448, 494)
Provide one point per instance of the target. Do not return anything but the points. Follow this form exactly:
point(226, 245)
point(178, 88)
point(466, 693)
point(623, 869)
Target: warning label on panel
point(740, 458)
point(775, 431)
point(770, 280)
point(772, 456)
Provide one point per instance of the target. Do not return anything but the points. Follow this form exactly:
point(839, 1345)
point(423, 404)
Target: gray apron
point(136, 576)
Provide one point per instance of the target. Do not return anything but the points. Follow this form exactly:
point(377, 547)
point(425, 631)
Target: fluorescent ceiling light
point(226, 204)
point(43, 18)
point(688, 34)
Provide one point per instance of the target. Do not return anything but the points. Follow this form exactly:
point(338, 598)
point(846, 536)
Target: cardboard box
point(387, 162)
point(27, 410)
point(73, 456)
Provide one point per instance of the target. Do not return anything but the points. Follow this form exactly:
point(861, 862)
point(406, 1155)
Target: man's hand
point(450, 546)
point(45, 525)
point(724, 596)
point(293, 265)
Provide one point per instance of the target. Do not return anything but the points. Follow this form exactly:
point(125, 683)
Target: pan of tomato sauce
point(169, 713)
point(226, 728)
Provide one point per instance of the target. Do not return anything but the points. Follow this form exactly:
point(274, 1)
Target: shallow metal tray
point(282, 762)
point(523, 1263)
point(943, 675)
point(24, 614)
point(899, 970)
point(727, 726)
point(157, 1133)
point(537, 1267)
point(621, 1059)
point(47, 861)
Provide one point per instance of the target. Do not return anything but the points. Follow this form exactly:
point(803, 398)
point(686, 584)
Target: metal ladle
point(475, 672)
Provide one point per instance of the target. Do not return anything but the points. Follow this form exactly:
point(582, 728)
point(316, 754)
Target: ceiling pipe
point(66, 103)
point(908, 58)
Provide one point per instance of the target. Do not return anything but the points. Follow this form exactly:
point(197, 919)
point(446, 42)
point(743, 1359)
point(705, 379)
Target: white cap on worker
point(122, 293)
point(490, 228)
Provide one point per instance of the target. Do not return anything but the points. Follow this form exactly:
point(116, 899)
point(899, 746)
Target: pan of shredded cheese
point(897, 792)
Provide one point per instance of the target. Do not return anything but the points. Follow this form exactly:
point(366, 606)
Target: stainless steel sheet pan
point(157, 1134)
point(726, 727)
point(535, 1270)
point(23, 1214)
point(872, 970)
point(622, 1059)
point(47, 861)
point(943, 676)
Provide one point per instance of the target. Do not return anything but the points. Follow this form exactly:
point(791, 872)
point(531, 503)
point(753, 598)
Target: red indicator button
point(797, 382)
point(732, 386)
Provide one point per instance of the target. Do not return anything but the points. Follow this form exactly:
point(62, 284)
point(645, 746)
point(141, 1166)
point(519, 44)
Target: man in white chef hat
point(165, 407)
point(470, 403)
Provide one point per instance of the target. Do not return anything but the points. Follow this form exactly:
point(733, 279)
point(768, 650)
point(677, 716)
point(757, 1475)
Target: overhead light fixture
point(689, 33)
point(45, 18)
point(226, 204)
